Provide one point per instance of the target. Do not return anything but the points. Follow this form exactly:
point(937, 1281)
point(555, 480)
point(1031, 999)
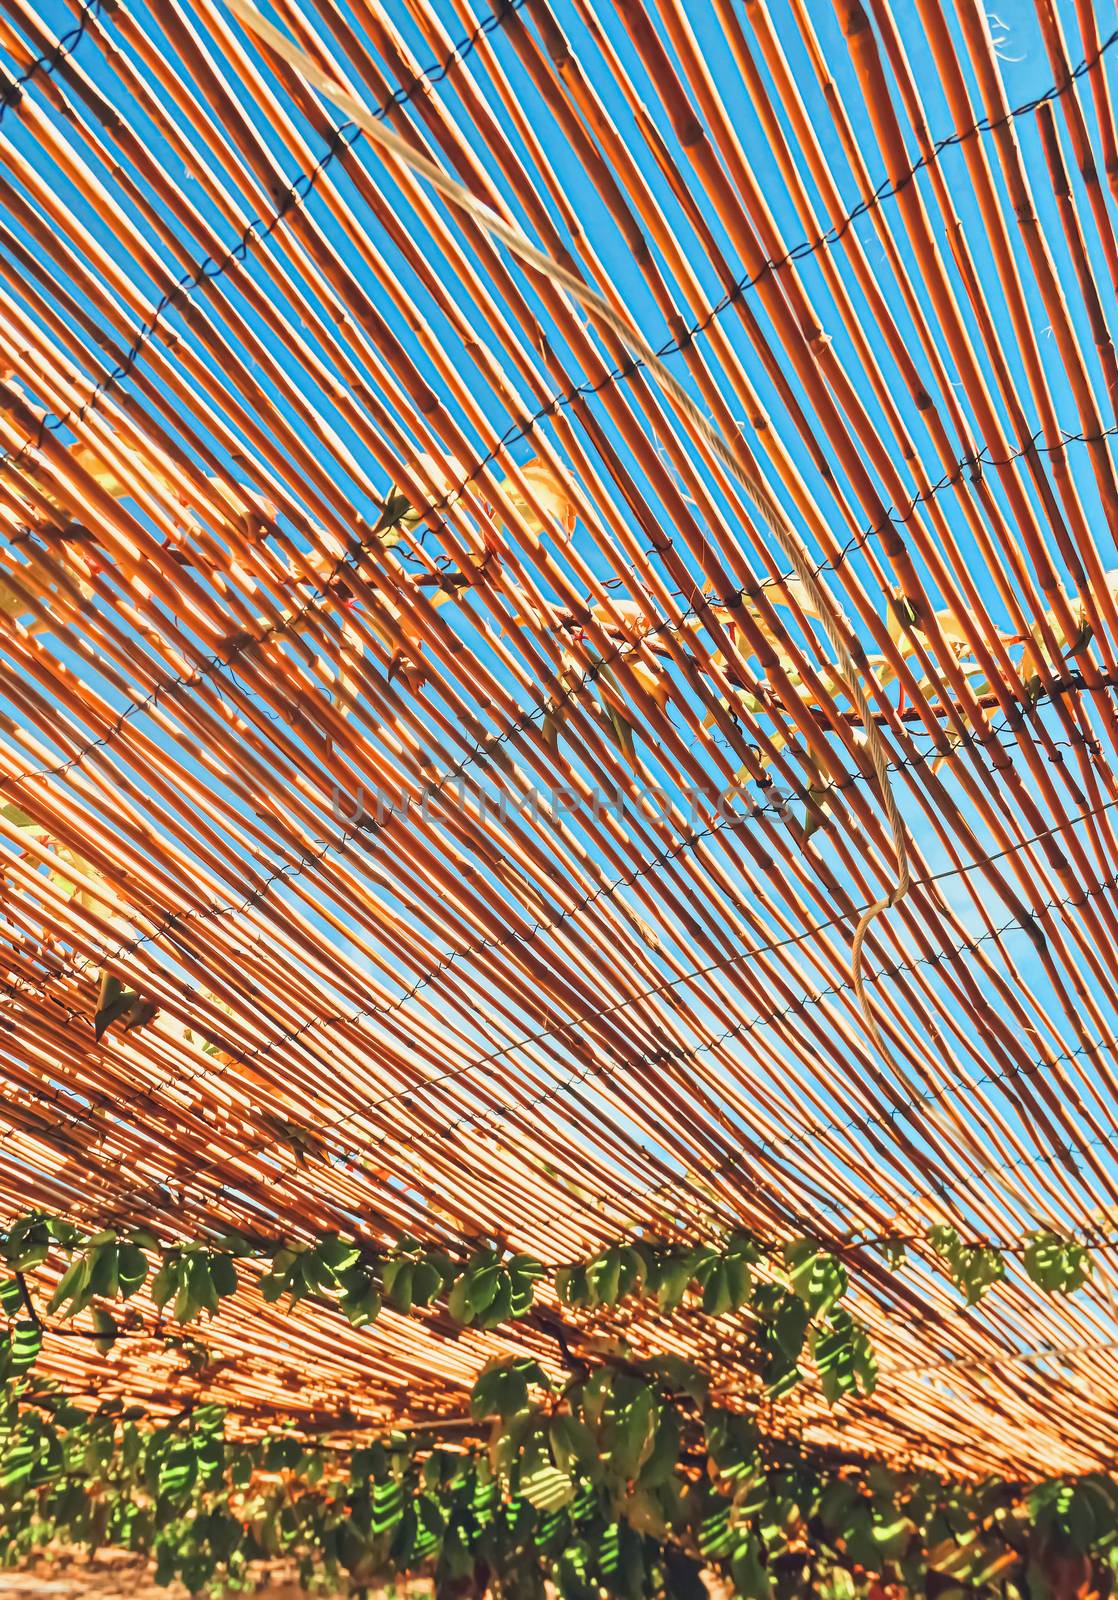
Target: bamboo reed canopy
point(559, 626)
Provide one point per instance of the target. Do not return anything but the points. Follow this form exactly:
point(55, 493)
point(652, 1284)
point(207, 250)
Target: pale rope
point(829, 613)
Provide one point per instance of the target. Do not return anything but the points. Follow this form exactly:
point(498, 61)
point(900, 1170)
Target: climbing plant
point(623, 1480)
point(608, 1475)
point(791, 1289)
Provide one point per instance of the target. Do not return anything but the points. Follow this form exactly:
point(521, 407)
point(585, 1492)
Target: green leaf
point(164, 1283)
point(751, 1578)
point(202, 1290)
point(272, 1285)
point(1058, 1265)
point(674, 1375)
point(185, 1308)
point(336, 1253)
point(724, 1278)
point(132, 1269)
point(177, 1470)
point(780, 1333)
point(427, 1280)
point(718, 1293)
point(973, 1268)
point(27, 1340)
point(572, 1286)
point(661, 1461)
point(673, 1276)
point(844, 1356)
point(499, 1308)
point(864, 1358)
point(572, 1573)
point(105, 1328)
point(18, 1464)
point(483, 1281)
point(603, 1275)
point(73, 1287)
point(525, 1266)
point(632, 1431)
point(789, 1325)
point(572, 1445)
point(732, 1442)
point(819, 1279)
point(523, 1274)
point(622, 1562)
point(104, 1268)
point(945, 1241)
point(458, 1301)
point(224, 1275)
point(361, 1305)
point(501, 1390)
point(398, 1276)
point(744, 1246)
point(545, 1487)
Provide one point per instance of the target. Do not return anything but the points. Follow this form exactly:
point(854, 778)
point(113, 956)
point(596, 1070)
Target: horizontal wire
point(45, 65)
point(1004, 1358)
point(300, 189)
point(217, 664)
point(438, 1080)
point(430, 975)
point(257, 231)
point(244, 1058)
point(778, 1143)
point(481, 750)
point(728, 821)
point(766, 1019)
point(348, 133)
